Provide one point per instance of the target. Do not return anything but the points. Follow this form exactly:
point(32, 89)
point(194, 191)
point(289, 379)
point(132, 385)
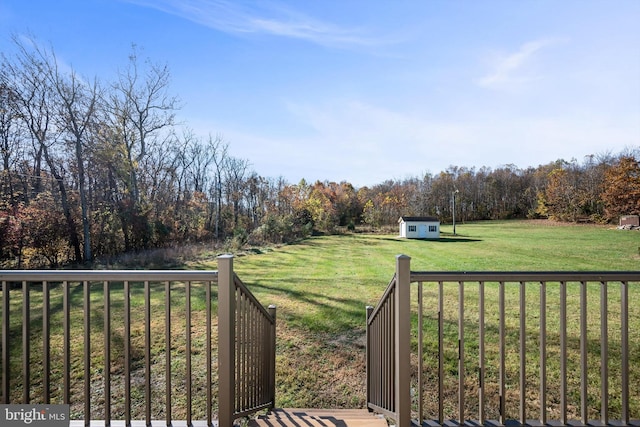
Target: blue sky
point(366, 90)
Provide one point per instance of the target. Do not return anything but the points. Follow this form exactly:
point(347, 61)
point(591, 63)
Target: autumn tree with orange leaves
point(621, 188)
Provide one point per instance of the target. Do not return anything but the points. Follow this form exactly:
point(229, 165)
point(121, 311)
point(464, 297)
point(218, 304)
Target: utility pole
point(454, 210)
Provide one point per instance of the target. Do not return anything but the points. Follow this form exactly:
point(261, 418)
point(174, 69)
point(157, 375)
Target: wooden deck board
point(298, 417)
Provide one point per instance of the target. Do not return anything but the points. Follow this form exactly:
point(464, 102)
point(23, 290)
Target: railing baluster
point(543, 353)
point(440, 352)
point(241, 375)
point(393, 371)
point(523, 353)
point(583, 353)
point(369, 354)
point(208, 352)
point(26, 342)
point(187, 350)
point(381, 372)
point(250, 359)
point(46, 341)
point(261, 348)
point(249, 344)
point(563, 353)
point(387, 333)
point(372, 356)
point(383, 332)
point(107, 353)
point(6, 354)
point(385, 357)
point(604, 354)
point(127, 353)
point(260, 363)
point(256, 355)
point(147, 352)
point(461, 417)
point(66, 325)
point(245, 353)
point(502, 373)
point(624, 356)
point(255, 339)
point(272, 352)
point(266, 349)
point(481, 355)
point(377, 358)
point(167, 352)
point(420, 355)
point(87, 351)
point(245, 348)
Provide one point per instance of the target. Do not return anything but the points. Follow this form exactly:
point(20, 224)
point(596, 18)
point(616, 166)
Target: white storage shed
point(419, 227)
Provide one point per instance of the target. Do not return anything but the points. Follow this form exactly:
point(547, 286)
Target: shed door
point(422, 231)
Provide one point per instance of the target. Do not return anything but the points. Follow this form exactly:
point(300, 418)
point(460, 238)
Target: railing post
point(403, 341)
point(6, 354)
point(226, 340)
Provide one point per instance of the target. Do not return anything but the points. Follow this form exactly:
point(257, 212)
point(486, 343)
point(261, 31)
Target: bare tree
point(77, 103)
point(218, 148)
point(140, 106)
point(28, 76)
point(139, 109)
point(9, 138)
point(235, 171)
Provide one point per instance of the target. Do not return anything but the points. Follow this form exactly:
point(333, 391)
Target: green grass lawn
point(321, 287)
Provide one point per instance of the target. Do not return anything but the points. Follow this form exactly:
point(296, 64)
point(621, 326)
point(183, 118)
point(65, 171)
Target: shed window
point(433, 228)
point(412, 228)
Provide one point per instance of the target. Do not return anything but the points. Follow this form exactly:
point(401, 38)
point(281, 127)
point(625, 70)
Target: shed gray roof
point(418, 219)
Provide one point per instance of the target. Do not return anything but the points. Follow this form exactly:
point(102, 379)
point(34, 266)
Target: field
point(322, 285)
point(329, 280)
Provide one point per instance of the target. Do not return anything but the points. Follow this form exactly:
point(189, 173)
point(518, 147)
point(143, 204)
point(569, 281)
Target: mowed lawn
point(322, 286)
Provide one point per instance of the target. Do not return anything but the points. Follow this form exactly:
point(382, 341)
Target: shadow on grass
point(457, 239)
point(336, 313)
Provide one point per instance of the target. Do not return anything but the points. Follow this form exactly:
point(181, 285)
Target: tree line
point(95, 168)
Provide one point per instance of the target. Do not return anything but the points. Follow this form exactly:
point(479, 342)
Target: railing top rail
point(384, 297)
point(525, 276)
point(253, 299)
point(109, 275)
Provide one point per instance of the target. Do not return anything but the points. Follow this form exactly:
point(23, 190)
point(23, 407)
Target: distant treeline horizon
point(94, 169)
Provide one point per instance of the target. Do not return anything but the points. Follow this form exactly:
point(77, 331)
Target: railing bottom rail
point(529, 423)
point(426, 423)
point(143, 423)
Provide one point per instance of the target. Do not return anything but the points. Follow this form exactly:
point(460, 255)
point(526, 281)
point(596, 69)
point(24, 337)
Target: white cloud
point(260, 18)
point(367, 144)
point(511, 70)
point(375, 143)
